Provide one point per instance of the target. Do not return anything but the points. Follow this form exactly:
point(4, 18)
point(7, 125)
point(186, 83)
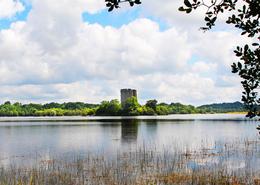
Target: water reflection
point(129, 131)
point(49, 138)
point(150, 129)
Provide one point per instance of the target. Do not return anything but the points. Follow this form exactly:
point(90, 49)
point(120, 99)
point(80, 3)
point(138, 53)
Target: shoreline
point(165, 118)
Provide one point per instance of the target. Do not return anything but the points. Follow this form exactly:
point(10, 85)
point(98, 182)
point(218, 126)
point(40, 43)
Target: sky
point(60, 51)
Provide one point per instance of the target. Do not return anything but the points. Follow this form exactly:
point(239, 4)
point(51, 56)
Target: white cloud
point(167, 10)
point(9, 8)
point(90, 6)
point(201, 67)
point(187, 88)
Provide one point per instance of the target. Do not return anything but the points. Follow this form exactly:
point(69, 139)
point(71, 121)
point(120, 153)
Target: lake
point(26, 140)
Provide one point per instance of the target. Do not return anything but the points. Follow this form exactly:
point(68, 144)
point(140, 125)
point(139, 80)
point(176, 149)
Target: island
point(128, 106)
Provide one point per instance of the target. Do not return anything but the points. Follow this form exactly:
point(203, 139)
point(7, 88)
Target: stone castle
point(127, 93)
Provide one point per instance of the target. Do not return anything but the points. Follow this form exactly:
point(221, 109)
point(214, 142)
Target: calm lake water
point(22, 139)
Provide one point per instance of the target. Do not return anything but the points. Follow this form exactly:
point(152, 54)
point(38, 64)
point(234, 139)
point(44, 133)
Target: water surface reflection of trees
point(129, 131)
point(131, 128)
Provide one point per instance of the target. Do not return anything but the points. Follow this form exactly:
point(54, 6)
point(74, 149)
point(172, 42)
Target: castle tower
point(127, 93)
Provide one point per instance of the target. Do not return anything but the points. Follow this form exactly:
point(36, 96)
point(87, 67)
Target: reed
point(144, 166)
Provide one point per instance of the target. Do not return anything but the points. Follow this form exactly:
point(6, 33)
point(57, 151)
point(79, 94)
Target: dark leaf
point(188, 10)
point(131, 3)
point(181, 9)
point(111, 8)
point(138, 2)
point(187, 3)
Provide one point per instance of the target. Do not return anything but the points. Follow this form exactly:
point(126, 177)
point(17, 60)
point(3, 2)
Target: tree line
point(112, 108)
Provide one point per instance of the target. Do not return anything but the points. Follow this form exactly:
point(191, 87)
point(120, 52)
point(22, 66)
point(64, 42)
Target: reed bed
point(219, 166)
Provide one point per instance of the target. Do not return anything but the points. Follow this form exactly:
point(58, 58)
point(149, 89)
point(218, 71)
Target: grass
point(144, 166)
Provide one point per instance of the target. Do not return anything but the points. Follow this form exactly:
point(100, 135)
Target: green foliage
point(151, 104)
point(109, 108)
point(49, 109)
point(51, 105)
point(113, 108)
point(178, 108)
point(131, 107)
point(77, 105)
point(224, 107)
point(145, 110)
point(162, 110)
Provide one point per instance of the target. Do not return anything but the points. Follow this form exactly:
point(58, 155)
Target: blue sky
point(114, 19)
point(6, 22)
point(77, 51)
point(117, 19)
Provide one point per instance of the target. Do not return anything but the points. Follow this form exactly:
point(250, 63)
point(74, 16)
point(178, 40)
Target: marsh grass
point(145, 166)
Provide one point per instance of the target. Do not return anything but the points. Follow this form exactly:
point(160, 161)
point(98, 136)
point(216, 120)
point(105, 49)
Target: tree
point(7, 103)
point(109, 108)
point(151, 104)
point(246, 19)
point(131, 107)
point(162, 109)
